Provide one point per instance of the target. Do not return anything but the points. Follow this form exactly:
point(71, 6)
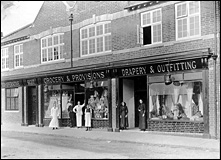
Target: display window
point(53, 94)
point(97, 98)
point(177, 101)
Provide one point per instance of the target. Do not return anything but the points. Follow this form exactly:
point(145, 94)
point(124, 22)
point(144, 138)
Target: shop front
point(175, 94)
point(90, 88)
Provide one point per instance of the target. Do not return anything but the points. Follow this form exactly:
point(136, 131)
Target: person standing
point(88, 113)
point(123, 116)
point(71, 112)
point(54, 114)
point(78, 110)
point(142, 115)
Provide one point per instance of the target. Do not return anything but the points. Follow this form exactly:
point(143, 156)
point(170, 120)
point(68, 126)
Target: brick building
point(164, 52)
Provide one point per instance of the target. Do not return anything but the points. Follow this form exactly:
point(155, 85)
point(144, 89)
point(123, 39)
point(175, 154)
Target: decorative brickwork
point(175, 126)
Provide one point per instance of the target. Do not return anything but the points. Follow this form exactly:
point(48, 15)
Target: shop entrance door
point(80, 97)
point(32, 105)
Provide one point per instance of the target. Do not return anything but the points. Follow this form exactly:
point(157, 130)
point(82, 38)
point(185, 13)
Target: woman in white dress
point(54, 114)
point(78, 110)
point(88, 113)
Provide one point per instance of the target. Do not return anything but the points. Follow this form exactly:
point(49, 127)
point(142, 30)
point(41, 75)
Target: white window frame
point(19, 55)
point(187, 16)
point(59, 45)
point(5, 56)
point(151, 24)
point(94, 37)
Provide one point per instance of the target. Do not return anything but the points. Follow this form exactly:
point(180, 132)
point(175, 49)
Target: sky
point(17, 14)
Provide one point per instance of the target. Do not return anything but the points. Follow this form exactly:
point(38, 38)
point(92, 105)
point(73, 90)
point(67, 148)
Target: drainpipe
point(214, 56)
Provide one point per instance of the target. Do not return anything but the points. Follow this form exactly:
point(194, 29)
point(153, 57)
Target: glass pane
point(44, 55)
point(84, 47)
point(156, 16)
point(97, 99)
point(107, 27)
point(16, 103)
point(21, 48)
point(56, 53)
point(194, 7)
point(100, 44)
point(7, 63)
point(50, 41)
point(17, 60)
point(84, 33)
point(91, 31)
point(100, 30)
point(50, 54)
point(146, 18)
point(21, 59)
point(92, 46)
point(55, 40)
point(16, 49)
point(43, 43)
point(8, 106)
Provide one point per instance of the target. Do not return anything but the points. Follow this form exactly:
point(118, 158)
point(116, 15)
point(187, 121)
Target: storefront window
point(97, 99)
point(176, 101)
point(52, 95)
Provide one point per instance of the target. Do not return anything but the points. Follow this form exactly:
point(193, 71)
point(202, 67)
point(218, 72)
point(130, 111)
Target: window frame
point(19, 55)
point(95, 37)
point(12, 98)
point(151, 24)
point(46, 48)
point(6, 59)
point(187, 16)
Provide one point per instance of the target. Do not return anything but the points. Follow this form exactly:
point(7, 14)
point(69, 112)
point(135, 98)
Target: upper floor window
point(4, 58)
point(187, 19)
point(52, 48)
point(95, 38)
point(151, 27)
point(12, 99)
point(18, 52)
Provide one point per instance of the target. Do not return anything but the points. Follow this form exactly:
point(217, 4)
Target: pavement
point(130, 136)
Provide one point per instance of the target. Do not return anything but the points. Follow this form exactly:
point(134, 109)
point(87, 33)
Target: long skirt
point(79, 120)
point(54, 122)
point(88, 119)
point(142, 121)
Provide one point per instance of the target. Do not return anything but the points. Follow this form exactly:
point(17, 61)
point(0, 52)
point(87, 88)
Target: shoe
point(56, 128)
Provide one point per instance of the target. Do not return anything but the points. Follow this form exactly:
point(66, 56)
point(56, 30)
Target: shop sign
point(11, 84)
point(161, 68)
point(31, 82)
point(75, 77)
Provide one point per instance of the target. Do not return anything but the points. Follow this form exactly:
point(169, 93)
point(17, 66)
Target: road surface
point(16, 145)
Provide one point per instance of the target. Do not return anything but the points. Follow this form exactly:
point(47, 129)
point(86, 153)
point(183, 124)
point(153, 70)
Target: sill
point(53, 62)
point(12, 111)
point(152, 45)
point(188, 39)
point(94, 55)
point(20, 67)
point(4, 70)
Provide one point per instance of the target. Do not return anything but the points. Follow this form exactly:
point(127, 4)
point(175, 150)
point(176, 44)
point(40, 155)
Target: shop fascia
point(161, 68)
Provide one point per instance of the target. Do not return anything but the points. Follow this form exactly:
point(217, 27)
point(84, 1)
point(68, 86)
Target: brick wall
point(11, 117)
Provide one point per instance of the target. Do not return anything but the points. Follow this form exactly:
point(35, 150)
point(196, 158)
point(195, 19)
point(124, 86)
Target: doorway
point(32, 105)
point(131, 90)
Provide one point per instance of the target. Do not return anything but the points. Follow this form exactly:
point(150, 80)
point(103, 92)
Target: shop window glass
point(12, 99)
point(97, 99)
point(176, 101)
point(49, 97)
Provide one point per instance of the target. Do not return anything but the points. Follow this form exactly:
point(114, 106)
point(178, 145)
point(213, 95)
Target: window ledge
point(94, 55)
point(16, 111)
point(53, 62)
point(152, 45)
point(188, 39)
point(20, 67)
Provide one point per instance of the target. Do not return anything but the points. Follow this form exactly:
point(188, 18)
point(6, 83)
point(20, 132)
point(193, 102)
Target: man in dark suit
point(70, 107)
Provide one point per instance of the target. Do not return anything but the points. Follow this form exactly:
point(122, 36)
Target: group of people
point(124, 116)
point(72, 110)
point(88, 112)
